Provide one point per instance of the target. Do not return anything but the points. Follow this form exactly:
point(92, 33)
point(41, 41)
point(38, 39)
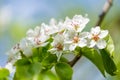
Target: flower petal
point(103, 33)
point(101, 44)
point(95, 30)
point(84, 35)
point(82, 43)
point(30, 33)
point(92, 43)
point(72, 47)
point(10, 67)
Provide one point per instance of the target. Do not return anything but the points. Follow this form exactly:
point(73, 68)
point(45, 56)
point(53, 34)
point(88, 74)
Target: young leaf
point(110, 46)
point(49, 61)
point(25, 70)
point(63, 59)
point(109, 64)
point(47, 75)
point(64, 71)
point(4, 73)
point(94, 57)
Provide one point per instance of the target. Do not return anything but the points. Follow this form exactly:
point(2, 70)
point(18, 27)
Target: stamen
point(95, 37)
point(75, 39)
point(59, 47)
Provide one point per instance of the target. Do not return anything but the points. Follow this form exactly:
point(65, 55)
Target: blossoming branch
point(49, 42)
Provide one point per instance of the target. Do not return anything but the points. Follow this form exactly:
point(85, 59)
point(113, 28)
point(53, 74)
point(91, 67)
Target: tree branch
point(72, 63)
point(106, 8)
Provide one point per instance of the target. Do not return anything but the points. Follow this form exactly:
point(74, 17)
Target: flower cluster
point(66, 36)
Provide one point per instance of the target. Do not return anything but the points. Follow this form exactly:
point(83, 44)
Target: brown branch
point(72, 63)
point(106, 8)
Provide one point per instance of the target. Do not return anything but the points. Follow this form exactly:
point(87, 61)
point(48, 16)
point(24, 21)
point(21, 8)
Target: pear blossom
point(37, 37)
point(25, 47)
point(97, 36)
point(58, 45)
point(74, 39)
point(10, 67)
point(53, 27)
point(13, 54)
point(49, 30)
point(78, 23)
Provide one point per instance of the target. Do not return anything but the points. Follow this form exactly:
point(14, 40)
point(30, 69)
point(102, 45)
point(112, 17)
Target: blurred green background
point(17, 16)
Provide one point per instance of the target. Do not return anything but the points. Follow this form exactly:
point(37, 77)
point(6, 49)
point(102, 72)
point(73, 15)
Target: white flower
point(37, 37)
point(78, 23)
point(26, 47)
point(74, 39)
point(49, 29)
point(97, 36)
point(10, 67)
point(53, 27)
point(58, 45)
point(13, 57)
point(13, 54)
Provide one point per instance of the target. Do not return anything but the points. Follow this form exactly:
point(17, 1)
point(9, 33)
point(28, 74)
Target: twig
point(72, 63)
point(106, 8)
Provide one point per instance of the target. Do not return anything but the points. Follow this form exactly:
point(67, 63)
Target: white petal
point(82, 43)
point(66, 47)
point(10, 67)
point(37, 31)
point(103, 33)
point(58, 38)
point(90, 36)
point(92, 43)
point(101, 44)
point(30, 33)
point(84, 35)
point(53, 22)
point(43, 37)
point(95, 30)
point(68, 42)
point(72, 47)
point(23, 43)
point(81, 27)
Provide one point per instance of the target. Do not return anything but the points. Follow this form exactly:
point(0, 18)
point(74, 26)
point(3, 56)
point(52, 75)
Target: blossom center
point(59, 47)
point(75, 39)
point(38, 42)
point(75, 25)
point(96, 37)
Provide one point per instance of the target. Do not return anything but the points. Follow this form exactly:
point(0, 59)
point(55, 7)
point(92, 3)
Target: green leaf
point(110, 45)
point(4, 73)
point(40, 53)
point(48, 75)
point(22, 62)
point(109, 64)
point(49, 61)
point(94, 57)
point(64, 71)
point(26, 70)
point(22, 55)
point(63, 59)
